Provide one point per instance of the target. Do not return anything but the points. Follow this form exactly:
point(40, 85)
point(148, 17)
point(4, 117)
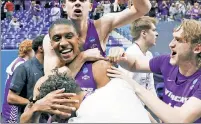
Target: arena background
point(165, 36)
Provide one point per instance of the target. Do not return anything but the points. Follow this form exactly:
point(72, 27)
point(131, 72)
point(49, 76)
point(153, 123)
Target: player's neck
point(142, 45)
point(40, 57)
point(26, 58)
point(188, 68)
point(82, 27)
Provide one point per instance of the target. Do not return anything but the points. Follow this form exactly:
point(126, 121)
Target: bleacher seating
point(11, 37)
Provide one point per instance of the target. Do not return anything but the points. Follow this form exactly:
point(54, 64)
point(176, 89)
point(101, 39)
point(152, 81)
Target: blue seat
point(20, 36)
point(10, 36)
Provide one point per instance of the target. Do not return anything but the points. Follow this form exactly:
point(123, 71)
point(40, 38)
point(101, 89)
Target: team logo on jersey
point(92, 39)
point(85, 70)
point(89, 90)
point(85, 77)
point(194, 82)
point(94, 46)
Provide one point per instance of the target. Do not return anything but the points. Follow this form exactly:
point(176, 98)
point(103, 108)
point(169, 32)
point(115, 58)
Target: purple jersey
point(10, 112)
point(196, 12)
point(92, 39)
point(178, 88)
point(85, 78)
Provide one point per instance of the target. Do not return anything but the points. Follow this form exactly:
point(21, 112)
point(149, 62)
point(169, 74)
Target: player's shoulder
point(133, 49)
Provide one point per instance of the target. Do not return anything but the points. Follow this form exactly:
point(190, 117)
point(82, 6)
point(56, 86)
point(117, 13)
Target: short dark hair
point(58, 81)
point(55, 82)
point(38, 41)
point(62, 21)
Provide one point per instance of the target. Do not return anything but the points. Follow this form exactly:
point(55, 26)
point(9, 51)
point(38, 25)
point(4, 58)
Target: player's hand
point(116, 55)
point(92, 55)
point(114, 72)
point(56, 103)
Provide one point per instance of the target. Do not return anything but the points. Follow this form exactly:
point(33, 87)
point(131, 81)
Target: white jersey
point(144, 79)
point(114, 103)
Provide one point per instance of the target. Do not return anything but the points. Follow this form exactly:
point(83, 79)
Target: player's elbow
point(10, 98)
point(145, 9)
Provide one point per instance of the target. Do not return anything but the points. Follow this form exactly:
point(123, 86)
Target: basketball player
point(106, 105)
point(144, 35)
point(182, 76)
point(92, 33)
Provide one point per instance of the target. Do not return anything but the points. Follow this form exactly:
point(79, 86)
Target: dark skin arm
point(99, 69)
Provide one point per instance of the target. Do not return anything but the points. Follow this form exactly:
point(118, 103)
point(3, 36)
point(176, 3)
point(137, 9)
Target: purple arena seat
point(19, 36)
point(10, 36)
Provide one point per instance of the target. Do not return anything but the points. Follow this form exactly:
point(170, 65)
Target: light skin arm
point(28, 113)
point(17, 83)
point(184, 114)
point(114, 20)
point(133, 63)
point(15, 99)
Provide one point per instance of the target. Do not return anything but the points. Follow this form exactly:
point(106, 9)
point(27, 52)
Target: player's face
point(181, 50)
point(78, 9)
point(151, 36)
point(64, 41)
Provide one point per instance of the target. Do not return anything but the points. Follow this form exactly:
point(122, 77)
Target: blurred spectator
point(55, 12)
point(63, 11)
point(195, 11)
point(3, 14)
point(10, 112)
point(154, 9)
point(188, 10)
point(14, 23)
point(178, 12)
point(9, 6)
point(35, 11)
point(107, 8)
point(116, 7)
point(17, 3)
point(98, 11)
point(182, 7)
point(172, 11)
point(164, 10)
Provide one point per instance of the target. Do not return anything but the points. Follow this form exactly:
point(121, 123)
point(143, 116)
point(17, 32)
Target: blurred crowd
point(169, 10)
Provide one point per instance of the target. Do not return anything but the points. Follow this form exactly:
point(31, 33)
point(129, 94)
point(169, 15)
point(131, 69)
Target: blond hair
point(192, 33)
point(143, 23)
point(24, 48)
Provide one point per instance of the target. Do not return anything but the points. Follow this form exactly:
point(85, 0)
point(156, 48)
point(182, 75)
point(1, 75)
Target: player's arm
point(168, 114)
point(185, 114)
point(88, 55)
point(128, 61)
point(114, 20)
point(17, 84)
point(99, 70)
point(30, 114)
